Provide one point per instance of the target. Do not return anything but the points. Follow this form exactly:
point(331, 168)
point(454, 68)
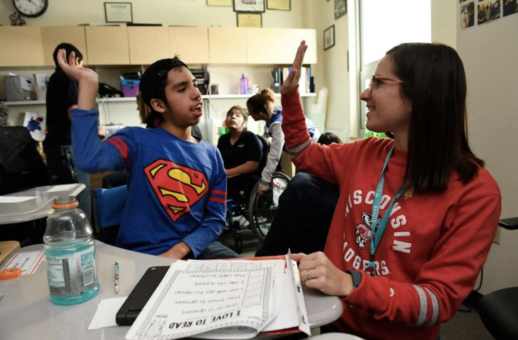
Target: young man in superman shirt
point(177, 188)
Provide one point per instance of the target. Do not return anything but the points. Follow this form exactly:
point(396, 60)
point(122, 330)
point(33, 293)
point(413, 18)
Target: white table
point(27, 313)
point(39, 206)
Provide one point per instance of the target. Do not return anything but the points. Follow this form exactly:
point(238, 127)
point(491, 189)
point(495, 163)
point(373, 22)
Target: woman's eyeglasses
point(376, 81)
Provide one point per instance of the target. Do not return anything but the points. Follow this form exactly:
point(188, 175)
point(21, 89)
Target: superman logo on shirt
point(177, 187)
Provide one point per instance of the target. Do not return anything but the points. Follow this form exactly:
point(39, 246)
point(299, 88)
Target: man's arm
point(90, 154)
point(69, 111)
point(178, 252)
point(215, 211)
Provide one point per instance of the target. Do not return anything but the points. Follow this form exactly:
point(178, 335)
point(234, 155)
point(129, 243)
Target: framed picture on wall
point(219, 3)
point(329, 37)
point(279, 5)
point(340, 8)
point(118, 12)
point(252, 6)
point(253, 20)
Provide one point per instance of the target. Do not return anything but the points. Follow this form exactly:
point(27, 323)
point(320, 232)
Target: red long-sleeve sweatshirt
point(432, 250)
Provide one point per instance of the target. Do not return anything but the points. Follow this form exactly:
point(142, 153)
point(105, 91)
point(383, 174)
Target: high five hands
point(292, 81)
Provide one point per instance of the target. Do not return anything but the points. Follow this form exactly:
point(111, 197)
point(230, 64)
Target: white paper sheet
point(35, 123)
point(106, 313)
point(64, 187)
point(28, 262)
point(299, 295)
point(14, 199)
point(201, 296)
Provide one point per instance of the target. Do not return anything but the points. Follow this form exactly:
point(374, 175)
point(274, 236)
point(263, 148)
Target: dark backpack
point(21, 166)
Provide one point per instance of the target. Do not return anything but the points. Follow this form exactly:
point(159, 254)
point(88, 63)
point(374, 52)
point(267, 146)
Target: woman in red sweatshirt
point(417, 213)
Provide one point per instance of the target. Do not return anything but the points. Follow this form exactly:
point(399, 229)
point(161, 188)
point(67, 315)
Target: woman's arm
point(305, 154)
point(274, 155)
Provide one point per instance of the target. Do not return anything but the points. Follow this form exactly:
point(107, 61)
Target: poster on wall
point(467, 15)
point(510, 7)
point(488, 11)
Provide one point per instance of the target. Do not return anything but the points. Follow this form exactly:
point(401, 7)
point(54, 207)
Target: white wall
point(167, 12)
point(489, 53)
point(331, 70)
point(444, 22)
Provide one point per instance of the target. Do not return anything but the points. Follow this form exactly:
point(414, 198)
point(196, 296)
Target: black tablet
point(140, 295)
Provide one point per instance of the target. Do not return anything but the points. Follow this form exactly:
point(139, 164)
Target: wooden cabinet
point(53, 36)
point(107, 45)
point(20, 46)
point(227, 45)
point(102, 45)
point(148, 44)
point(291, 39)
point(191, 44)
point(264, 45)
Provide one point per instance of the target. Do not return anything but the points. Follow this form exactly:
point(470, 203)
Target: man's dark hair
point(69, 48)
point(154, 79)
point(435, 83)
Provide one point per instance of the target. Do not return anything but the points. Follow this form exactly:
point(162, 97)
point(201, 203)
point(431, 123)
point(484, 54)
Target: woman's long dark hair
point(435, 82)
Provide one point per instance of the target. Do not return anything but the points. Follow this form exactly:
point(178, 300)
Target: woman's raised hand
point(292, 81)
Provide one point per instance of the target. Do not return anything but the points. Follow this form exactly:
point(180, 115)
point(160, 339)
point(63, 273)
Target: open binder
point(224, 299)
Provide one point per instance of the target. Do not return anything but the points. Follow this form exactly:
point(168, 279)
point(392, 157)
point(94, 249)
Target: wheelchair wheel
point(262, 208)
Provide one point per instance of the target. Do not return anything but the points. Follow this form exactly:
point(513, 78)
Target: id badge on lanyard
point(378, 229)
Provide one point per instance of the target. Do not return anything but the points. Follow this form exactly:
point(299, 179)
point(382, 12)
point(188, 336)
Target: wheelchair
point(251, 211)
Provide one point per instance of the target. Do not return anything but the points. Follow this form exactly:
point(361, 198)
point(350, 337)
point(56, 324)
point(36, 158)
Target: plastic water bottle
point(243, 85)
point(70, 254)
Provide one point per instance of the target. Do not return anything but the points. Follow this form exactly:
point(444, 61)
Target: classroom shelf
point(132, 99)
point(25, 102)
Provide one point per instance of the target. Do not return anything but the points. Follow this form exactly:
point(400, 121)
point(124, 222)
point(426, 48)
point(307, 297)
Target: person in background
point(176, 203)
point(328, 138)
point(417, 212)
point(241, 153)
point(62, 96)
point(304, 215)
point(261, 106)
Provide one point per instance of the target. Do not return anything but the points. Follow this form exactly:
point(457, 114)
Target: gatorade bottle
point(70, 253)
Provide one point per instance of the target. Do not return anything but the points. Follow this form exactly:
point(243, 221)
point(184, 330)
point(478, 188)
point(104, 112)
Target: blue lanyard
point(379, 229)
